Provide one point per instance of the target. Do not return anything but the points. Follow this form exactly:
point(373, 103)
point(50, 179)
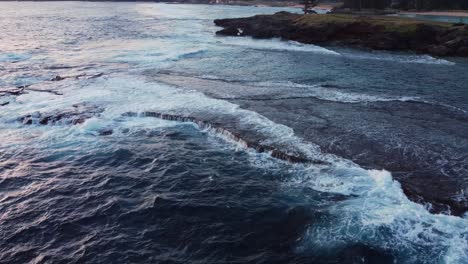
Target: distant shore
point(454, 13)
point(293, 4)
point(263, 3)
point(372, 32)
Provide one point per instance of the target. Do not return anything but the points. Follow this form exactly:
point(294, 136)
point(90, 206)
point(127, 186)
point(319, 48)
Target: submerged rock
point(374, 32)
point(78, 114)
point(106, 132)
point(88, 76)
point(13, 91)
point(274, 151)
point(57, 78)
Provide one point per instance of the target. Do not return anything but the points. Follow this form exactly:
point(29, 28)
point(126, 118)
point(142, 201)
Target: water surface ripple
point(82, 181)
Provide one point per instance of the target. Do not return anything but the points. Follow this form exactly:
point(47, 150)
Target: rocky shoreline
point(373, 32)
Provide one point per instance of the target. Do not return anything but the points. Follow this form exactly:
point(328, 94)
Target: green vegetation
point(432, 4)
point(407, 4)
point(389, 23)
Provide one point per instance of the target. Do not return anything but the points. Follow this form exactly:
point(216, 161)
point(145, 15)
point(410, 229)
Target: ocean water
point(449, 19)
point(385, 134)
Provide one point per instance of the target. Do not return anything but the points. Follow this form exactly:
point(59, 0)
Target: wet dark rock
point(463, 51)
point(106, 132)
point(374, 32)
point(44, 91)
point(89, 76)
point(13, 91)
point(78, 114)
point(439, 50)
point(383, 42)
point(57, 78)
point(24, 88)
point(454, 43)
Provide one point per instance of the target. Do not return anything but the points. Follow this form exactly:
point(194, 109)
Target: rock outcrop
point(78, 114)
point(217, 128)
point(12, 91)
point(374, 32)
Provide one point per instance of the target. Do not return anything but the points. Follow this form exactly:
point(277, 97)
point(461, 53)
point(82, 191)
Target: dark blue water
point(98, 185)
point(146, 195)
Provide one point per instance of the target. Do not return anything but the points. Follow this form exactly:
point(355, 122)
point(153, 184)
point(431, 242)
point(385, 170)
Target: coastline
point(292, 4)
point(371, 32)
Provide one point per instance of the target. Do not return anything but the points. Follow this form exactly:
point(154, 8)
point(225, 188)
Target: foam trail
point(274, 45)
point(337, 95)
point(400, 58)
point(331, 94)
point(150, 58)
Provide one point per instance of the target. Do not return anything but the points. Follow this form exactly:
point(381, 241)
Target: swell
point(325, 92)
point(272, 151)
point(463, 113)
point(188, 54)
point(334, 93)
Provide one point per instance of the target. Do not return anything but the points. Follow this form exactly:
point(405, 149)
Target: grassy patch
point(390, 23)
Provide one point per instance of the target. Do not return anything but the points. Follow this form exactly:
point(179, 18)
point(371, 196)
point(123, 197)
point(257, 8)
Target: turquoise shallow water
point(450, 19)
point(386, 126)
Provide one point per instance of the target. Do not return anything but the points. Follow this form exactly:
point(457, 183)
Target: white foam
point(332, 94)
point(274, 45)
point(343, 96)
point(401, 58)
point(153, 58)
point(378, 213)
point(93, 125)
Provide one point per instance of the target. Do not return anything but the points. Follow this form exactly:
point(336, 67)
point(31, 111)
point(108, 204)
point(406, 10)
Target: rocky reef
point(217, 128)
point(78, 114)
point(373, 32)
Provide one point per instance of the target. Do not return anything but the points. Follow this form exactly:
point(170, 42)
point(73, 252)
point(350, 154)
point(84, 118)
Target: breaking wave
point(376, 211)
point(328, 93)
point(274, 45)
point(400, 58)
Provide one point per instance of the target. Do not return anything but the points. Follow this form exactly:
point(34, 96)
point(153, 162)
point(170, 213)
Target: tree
point(432, 4)
point(309, 5)
point(367, 4)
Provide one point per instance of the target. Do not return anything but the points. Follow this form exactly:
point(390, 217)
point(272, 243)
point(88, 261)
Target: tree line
point(407, 4)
